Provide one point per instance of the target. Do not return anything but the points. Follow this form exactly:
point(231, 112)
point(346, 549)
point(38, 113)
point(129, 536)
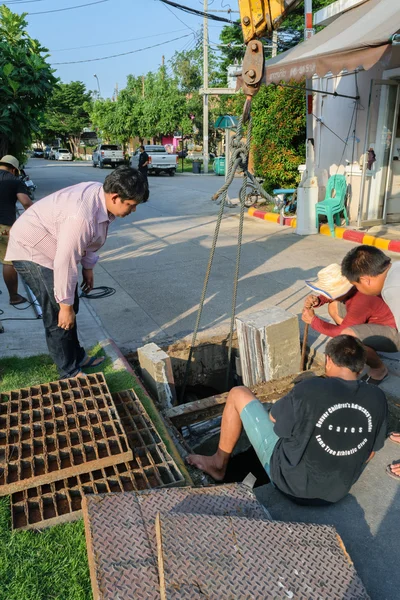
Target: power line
point(118, 42)
point(179, 19)
point(75, 62)
point(23, 1)
point(45, 12)
point(199, 13)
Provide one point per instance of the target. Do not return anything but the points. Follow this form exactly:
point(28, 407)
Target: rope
point(242, 196)
point(239, 161)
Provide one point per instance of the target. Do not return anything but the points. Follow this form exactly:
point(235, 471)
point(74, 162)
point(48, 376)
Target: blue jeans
point(64, 347)
point(260, 431)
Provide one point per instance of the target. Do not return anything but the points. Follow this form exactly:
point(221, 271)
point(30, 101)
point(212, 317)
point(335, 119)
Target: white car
point(62, 154)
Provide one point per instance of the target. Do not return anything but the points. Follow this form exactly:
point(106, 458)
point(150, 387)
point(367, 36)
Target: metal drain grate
point(61, 501)
point(221, 558)
point(121, 538)
point(58, 430)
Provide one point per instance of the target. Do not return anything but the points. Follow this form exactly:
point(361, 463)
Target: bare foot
point(211, 465)
point(395, 437)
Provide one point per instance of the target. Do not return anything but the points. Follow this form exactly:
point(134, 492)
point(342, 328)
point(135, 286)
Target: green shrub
point(279, 135)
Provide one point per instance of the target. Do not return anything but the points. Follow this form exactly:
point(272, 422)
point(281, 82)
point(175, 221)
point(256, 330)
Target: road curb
point(342, 233)
point(272, 217)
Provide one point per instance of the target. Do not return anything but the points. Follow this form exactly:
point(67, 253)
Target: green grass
point(52, 564)
point(188, 166)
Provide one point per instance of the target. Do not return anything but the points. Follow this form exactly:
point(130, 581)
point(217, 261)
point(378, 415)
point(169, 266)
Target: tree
point(164, 106)
point(67, 114)
point(26, 82)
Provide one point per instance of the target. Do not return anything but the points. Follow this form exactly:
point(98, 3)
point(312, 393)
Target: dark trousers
point(64, 347)
point(144, 172)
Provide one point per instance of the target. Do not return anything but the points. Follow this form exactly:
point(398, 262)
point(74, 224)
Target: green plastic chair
point(333, 207)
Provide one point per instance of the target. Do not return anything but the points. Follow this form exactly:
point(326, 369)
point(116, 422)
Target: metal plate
point(151, 467)
point(120, 533)
point(58, 430)
point(224, 558)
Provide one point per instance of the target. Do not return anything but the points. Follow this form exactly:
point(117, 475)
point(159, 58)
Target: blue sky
point(142, 22)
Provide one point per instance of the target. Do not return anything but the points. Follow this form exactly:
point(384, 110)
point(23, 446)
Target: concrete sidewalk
point(24, 333)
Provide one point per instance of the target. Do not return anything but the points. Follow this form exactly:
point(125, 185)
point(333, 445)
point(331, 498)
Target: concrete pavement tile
point(127, 323)
point(154, 256)
point(367, 521)
point(175, 311)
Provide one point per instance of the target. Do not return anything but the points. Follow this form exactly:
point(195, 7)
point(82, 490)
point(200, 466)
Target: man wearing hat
point(368, 318)
point(12, 190)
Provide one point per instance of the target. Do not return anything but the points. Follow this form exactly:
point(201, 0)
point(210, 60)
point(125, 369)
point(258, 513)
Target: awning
point(359, 38)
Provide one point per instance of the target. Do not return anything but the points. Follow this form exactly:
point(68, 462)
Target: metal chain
point(242, 197)
point(239, 162)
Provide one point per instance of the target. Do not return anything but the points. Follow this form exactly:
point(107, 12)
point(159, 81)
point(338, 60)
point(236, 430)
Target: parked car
point(159, 160)
point(108, 154)
point(38, 153)
point(62, 154)
point(52, 153)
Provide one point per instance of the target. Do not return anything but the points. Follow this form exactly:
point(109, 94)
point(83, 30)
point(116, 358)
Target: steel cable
point(240, 151)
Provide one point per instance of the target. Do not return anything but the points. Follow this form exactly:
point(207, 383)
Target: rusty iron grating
point(61, 501)
point(58, 430)
point(221, 558)
point(121, 539)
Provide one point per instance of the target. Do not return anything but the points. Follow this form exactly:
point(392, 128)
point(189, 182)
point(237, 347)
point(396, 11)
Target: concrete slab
point(24, 333)
point(367, 520)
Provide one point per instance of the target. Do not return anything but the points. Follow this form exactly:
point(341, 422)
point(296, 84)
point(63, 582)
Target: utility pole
point(274, 43)
point(307, 192)
point(309, 32)
point(98, 84)
point(205, 86)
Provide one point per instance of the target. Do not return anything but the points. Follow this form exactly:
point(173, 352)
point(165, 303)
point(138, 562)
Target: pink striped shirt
point(61, 231)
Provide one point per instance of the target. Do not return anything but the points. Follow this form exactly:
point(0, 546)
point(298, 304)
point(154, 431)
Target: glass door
point(383, 110)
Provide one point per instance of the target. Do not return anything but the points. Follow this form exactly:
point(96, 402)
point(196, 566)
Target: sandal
point(390, 472)
point(92, 361)
point(21, 300)
point(372, 381)
point(392, 439)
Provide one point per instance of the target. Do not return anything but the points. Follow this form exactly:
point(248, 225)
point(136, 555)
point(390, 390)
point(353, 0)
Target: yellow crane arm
point(259, 17)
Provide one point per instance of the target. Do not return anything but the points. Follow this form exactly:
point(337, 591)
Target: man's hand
point(88, 280)
point(66, 317)
point(311, 301)
point(307, 315)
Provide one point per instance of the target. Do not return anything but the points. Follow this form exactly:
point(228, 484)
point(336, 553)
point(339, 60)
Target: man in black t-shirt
point(143, 163)
point(316, 441)
point(12, 190)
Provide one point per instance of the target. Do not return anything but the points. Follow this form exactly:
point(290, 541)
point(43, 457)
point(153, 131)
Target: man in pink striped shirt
point(56, 235)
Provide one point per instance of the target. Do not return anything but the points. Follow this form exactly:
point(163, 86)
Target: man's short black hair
point(128, 183)
point(366, 261)
point(346, 351)
point(141, 148)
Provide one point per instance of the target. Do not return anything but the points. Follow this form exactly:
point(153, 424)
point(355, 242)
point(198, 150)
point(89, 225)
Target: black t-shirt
point(10, 186)
point(328, 428)
point(143, 158)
